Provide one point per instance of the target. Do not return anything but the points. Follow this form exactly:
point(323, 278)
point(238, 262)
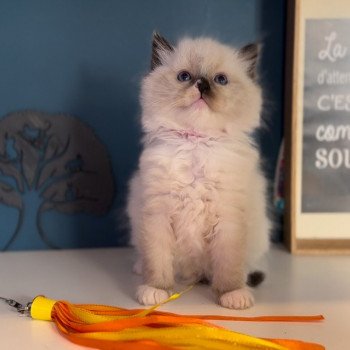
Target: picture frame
point(317, 127)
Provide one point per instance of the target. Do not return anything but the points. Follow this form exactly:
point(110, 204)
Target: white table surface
point(295, 285)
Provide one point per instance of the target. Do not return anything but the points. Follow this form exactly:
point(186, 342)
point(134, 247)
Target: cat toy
point(114, 328)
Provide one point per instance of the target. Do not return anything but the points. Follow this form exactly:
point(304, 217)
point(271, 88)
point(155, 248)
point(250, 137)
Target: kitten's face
point(201, 85)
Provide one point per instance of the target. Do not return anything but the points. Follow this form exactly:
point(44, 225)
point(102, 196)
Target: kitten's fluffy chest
point(191, 169)
point(193, 193)
point(192, 162)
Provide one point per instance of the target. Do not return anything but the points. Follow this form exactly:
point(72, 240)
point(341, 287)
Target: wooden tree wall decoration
point(57, 158)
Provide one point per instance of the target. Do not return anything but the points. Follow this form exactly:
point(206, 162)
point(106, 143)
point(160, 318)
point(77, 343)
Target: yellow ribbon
point(106, 327)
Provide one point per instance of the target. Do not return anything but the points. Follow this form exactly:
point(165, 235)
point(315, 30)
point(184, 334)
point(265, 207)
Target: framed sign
point(318, 126)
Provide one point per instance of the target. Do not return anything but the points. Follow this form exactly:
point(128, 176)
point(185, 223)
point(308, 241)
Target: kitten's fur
point(197, 202)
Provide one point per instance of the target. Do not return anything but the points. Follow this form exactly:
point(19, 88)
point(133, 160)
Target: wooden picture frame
point(317, 126)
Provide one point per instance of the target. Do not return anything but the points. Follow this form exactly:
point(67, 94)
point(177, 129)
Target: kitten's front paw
point(238, 299)
point(148, 295)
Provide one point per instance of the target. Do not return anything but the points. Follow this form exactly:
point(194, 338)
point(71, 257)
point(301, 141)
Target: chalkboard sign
point(318, 120)
point(326, 121)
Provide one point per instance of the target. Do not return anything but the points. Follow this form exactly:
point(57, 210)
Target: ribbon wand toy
point(114, 328)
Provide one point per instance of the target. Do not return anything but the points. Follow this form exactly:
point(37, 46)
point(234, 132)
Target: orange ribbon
point(113, 328)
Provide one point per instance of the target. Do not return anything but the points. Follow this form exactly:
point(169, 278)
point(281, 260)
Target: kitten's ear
point(159, 45)
point(250, 54)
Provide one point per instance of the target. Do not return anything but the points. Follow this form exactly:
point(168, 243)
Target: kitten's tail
point(255, 278)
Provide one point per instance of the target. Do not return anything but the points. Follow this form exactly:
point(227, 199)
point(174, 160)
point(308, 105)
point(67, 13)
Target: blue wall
point(86, 58)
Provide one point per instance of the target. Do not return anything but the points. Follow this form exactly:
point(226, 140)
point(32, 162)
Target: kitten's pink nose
point(202, 85)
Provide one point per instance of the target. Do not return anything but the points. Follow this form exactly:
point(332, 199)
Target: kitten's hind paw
point(255, 278)
point(238, 299)
point(148, 295)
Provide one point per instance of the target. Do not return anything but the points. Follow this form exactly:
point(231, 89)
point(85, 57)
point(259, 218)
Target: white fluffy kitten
point(197, 202)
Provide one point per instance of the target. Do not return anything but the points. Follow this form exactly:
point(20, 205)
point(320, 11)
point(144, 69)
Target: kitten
point(197, 202)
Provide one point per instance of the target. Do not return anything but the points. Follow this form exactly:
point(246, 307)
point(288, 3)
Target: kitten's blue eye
point(184, 76)
point(221, 79)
